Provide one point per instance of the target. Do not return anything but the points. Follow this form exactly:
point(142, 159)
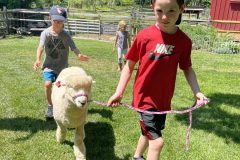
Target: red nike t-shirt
point(159, 55)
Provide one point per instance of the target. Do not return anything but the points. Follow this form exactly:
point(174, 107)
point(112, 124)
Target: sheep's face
point(79, 89)
point(81, 98)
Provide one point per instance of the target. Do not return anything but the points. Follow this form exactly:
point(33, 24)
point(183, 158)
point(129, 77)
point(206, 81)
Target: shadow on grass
point(214, 119)
point(100, 142)
point(103, 112)
point(26, 124)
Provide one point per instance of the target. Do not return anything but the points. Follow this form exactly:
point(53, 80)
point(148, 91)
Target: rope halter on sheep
point(79, 95)
point(189, 110)
point(59, 84)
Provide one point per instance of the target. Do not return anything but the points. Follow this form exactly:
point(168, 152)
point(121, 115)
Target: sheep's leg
point(79, 146)
point(61, 133)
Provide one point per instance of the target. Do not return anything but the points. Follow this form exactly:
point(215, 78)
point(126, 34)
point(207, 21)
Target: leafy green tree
point(202, 3)
point(3, 3)
point(75, 3)
point(11, 4)
point(95, 3)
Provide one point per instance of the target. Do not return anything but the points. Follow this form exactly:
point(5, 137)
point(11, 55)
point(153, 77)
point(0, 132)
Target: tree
point(94, 3)
point(202, 3)
point(142, 2)
point(3, 3)
point(13, 4)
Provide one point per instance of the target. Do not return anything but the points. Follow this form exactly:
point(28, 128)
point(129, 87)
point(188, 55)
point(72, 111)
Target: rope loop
point(189, 110)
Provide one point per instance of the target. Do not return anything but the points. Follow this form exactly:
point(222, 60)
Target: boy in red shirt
point(159, 49)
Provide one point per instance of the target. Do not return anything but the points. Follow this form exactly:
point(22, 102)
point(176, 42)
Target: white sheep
point(70, 95)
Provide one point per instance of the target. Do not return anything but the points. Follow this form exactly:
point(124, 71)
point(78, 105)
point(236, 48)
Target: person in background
point(159, 49)
point(123, 42)
point(55, 41)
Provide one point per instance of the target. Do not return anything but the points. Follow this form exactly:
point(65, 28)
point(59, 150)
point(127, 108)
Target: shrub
point(207, 38)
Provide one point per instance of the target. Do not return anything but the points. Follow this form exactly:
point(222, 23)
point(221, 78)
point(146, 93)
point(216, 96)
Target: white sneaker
point(141, 158)
point(49, 113)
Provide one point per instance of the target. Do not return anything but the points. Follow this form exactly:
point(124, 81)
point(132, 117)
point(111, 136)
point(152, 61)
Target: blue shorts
point(50, 76)
point(152, 124)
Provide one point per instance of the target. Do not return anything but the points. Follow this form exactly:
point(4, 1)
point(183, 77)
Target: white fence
point(28, 21)
point(97, 23)
point(25, 21)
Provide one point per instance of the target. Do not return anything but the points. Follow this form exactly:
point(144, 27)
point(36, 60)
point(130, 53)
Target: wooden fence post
point(5, 15)
point(99, 33)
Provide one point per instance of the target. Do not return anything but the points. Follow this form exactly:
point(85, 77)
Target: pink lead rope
point(189, 110)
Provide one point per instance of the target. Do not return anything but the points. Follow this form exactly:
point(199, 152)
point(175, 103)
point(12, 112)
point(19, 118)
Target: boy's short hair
point(180, 2)
point(179, 19)
point(58, 13)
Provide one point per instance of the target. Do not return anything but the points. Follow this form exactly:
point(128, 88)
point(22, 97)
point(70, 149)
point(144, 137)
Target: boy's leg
point(151, 126)
point(119, 66)
point(48, 92)
point(124, 52)
point(119, 59)
point(49, 78)
point(124, 59)
point(155, 148)
point(141, 146)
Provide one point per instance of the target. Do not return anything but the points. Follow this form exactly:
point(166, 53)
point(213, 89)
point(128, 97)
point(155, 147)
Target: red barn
point(225, 15)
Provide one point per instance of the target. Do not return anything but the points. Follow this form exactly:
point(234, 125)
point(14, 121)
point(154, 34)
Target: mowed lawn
point(112, 133)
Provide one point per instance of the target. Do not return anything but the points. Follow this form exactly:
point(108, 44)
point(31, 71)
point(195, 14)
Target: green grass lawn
point(112, 134)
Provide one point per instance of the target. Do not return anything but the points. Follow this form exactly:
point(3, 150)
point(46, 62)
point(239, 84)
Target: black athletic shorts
point(152, 124)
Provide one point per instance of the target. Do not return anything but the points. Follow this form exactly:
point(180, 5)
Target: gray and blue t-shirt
point(56, 50)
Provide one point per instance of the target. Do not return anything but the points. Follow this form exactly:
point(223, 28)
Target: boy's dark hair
point(180, 3)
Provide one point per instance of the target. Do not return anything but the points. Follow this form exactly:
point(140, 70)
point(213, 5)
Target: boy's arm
point(37, 63)
point(75, 49)
point(122, 84)
point(80, 56)
point(192, 81)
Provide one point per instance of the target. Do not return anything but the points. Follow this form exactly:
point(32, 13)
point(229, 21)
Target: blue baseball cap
point(58, 13)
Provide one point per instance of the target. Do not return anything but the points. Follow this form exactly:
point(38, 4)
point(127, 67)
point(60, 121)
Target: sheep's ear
point(90, 79)
point(63, 83)
point(59, 83)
